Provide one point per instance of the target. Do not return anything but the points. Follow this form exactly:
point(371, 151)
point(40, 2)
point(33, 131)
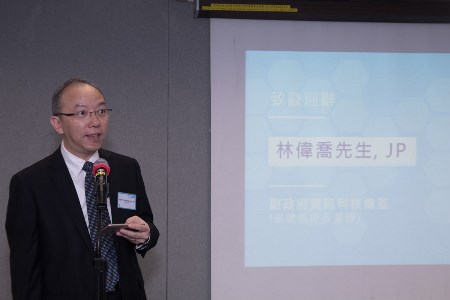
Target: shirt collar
point(74, 163)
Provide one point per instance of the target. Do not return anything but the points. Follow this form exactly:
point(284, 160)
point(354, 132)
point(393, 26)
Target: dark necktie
point(108, 251)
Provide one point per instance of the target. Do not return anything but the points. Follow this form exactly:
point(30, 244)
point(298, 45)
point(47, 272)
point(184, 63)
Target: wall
point(151, 58)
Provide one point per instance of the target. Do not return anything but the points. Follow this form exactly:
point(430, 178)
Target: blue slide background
point(347, 215)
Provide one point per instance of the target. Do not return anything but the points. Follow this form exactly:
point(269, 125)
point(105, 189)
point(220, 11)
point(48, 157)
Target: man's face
point(82, 137)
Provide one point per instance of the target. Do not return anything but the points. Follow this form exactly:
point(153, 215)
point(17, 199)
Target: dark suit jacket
point(51, 253)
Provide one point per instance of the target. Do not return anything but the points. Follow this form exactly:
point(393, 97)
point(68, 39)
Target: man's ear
point(56, 123)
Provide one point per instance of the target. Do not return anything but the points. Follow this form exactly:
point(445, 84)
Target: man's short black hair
point(56, 99)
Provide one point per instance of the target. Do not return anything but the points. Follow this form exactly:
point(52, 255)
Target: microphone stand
point(99, 261)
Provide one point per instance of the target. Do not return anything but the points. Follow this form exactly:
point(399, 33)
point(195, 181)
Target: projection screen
point(330, 160)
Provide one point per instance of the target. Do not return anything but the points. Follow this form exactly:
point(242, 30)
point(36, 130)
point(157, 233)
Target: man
point(48, 216)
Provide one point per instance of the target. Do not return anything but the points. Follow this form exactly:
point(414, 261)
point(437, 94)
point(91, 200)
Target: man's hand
point(138, 230)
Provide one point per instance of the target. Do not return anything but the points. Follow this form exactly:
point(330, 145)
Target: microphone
point(101, 171)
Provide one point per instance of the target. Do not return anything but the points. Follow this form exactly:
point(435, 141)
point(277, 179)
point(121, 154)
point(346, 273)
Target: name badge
point(126, 201)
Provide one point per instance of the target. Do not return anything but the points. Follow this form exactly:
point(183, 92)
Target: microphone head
point(101, 167)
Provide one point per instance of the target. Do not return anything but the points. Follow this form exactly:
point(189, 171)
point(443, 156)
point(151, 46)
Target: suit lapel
point(66, 189)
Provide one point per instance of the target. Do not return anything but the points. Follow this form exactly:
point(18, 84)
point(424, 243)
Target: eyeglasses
point(82, 114)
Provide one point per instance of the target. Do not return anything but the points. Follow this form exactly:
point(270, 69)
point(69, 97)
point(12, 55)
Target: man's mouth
point(94, 135)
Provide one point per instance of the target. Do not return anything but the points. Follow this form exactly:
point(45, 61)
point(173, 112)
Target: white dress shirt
point(75, 166)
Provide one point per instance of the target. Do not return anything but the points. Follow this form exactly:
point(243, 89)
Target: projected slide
point(347, 158)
